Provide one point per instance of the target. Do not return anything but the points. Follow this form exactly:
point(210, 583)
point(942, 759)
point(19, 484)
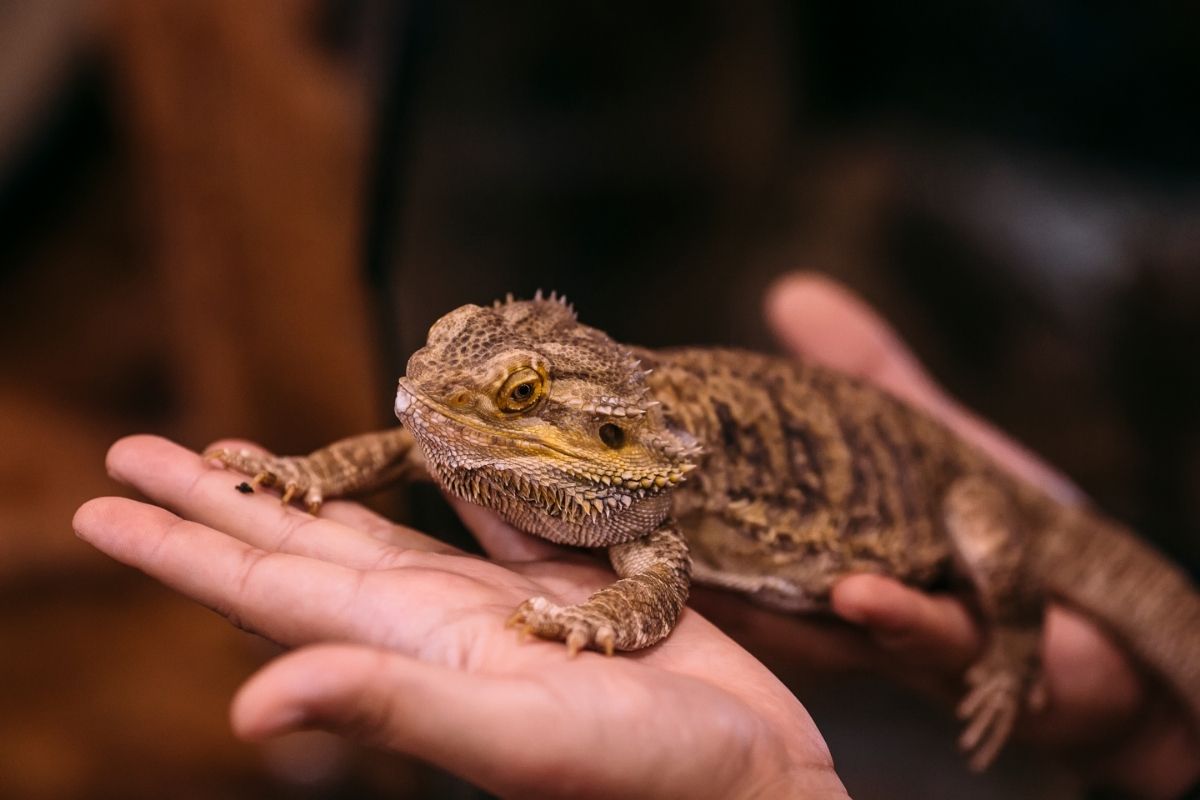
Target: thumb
point(500, 540)
point(468, 724)
point(821, 319)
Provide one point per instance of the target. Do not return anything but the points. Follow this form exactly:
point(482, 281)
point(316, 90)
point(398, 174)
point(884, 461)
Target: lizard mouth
point(432, 423)
point(411, 402)
point(574, 503)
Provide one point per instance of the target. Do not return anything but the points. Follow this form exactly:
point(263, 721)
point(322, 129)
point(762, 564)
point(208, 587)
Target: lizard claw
point(578, 627)
point(1038, 696)
point(991, 708)
point(517, 620)
point(607, 640)
point(576, 640)
point(1005, 679)
point(992, 714)
point(270, 471)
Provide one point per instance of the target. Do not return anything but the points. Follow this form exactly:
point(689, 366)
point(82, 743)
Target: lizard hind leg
point(987, 539)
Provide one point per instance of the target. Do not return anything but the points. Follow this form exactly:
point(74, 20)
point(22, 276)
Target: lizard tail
point(1147, 603)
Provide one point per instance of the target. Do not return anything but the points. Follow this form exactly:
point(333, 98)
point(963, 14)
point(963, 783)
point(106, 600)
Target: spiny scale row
point(554, 297)
point(610, 407)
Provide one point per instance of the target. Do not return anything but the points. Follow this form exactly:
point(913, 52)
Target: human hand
point(402, 644)
point(1103, 717)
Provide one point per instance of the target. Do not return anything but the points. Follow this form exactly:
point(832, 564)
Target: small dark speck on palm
point(244, 488)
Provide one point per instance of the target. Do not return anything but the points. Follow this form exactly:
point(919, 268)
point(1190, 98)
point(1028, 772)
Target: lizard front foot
point(635, 612)
point(294, 474)
point(347, 466)
point(579, 627)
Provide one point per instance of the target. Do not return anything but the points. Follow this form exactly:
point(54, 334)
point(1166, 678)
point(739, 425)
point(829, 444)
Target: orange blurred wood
point(249, 142)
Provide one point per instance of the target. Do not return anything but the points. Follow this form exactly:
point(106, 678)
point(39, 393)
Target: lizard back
point(808, 473)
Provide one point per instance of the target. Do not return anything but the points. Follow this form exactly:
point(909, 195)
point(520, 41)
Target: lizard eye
point(612, 435)
point(521, 390)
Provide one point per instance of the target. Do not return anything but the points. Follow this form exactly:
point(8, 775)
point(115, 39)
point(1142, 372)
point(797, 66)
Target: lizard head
point(521, 408)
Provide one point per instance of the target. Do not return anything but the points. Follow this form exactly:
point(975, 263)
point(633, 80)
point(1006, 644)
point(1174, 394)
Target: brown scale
point(756, 474)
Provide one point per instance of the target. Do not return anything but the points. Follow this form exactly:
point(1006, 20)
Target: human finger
point(287, 598)
point(819, 642)
point(179, 479)
point(1090, 682)
point(821, 319)
point(352, 514)
point(477, 726)
point(920, 629)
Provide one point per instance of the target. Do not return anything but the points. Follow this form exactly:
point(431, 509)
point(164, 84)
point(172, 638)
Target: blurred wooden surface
point(249, 143)
point(200, 282)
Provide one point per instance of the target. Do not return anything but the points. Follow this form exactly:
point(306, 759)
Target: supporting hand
point(402, 643)
point(1102, 715)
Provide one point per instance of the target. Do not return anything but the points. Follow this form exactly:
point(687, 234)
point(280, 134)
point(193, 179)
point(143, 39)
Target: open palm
point(403, 644)
point(402, 638)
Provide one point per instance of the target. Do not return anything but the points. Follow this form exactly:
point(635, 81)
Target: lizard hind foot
point(1005, 681)
point(990, 709)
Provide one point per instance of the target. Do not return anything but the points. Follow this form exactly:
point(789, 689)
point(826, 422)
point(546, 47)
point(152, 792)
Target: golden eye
point(521, 390)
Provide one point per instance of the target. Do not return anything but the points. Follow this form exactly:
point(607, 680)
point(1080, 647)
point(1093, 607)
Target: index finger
point(287, 598)
point(181, 480)
point(922, 629)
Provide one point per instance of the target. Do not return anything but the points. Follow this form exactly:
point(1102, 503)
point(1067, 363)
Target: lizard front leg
point(356, 464)
point(989, 544)
point(635, 612)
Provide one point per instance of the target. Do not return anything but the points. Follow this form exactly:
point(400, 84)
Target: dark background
point(238, 219)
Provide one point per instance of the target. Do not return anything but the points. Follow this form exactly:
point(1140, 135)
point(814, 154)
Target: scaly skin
point(752, 473)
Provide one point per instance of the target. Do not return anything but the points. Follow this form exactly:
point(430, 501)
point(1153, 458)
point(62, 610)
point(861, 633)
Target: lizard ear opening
point(612, 435)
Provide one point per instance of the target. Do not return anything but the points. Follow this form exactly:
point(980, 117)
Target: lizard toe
point(990, 709)
point(293, 472)
point(577, 627)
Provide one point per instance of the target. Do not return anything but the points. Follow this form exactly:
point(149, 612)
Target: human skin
point(401, 641)
point(1103, 717)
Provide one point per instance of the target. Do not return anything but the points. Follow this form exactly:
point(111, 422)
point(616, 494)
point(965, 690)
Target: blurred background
point(229, 218)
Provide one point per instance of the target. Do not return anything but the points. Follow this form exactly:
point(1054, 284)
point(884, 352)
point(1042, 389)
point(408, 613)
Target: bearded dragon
point(757, 474)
